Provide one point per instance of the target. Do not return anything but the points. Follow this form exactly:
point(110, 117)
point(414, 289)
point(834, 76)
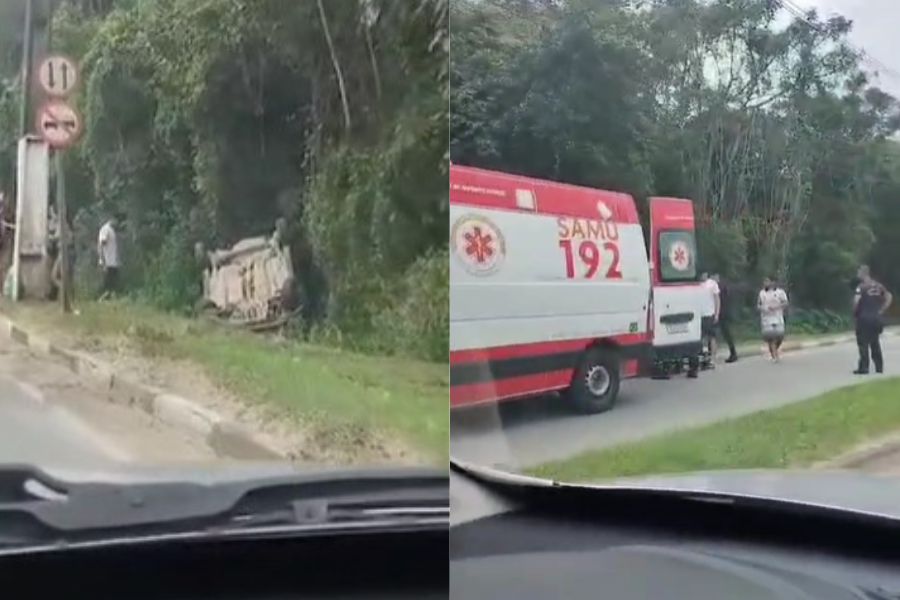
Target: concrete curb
point(226, 439)
point(756, 350)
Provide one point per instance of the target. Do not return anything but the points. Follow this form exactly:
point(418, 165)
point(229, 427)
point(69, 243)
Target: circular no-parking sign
point(58, 123)
point(58, 75)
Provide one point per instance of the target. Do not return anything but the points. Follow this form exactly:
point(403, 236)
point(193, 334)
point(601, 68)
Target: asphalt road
point(525, 433)
point(50, 418)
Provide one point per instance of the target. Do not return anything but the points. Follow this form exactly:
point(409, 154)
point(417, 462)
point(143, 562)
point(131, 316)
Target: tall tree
point(770, 129)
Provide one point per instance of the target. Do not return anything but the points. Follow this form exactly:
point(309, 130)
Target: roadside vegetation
point(207, 121)
point(801, 324)
point(796, 435)
point(771, 123)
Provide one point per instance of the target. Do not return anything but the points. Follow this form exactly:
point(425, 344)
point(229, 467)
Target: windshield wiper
point(37, 510)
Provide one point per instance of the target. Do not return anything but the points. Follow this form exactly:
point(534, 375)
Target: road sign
point(58, 123)
point(58, 75)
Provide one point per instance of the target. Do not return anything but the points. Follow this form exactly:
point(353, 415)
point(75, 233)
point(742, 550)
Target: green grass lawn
point(798, 434)
point(333, 392)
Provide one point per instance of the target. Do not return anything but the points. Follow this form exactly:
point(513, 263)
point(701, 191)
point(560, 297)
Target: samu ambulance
point(551, 289)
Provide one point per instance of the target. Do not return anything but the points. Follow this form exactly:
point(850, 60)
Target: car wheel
point(595, 385)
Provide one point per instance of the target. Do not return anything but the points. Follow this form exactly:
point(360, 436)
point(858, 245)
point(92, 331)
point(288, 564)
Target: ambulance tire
point(595, 385)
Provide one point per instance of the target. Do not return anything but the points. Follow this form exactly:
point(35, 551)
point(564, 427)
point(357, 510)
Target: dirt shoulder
point(312, 404)
point(879, 455)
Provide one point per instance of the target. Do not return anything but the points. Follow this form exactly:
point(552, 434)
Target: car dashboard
point(506, 546)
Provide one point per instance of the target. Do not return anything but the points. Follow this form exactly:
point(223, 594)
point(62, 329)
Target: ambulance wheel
point(596, 383)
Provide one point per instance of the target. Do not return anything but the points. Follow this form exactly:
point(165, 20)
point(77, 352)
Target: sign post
point(60, 125)
point(65, 285)
point(26, 67)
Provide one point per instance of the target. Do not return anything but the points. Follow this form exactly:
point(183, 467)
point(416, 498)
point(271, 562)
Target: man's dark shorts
point(708, 326)
point(110, 279)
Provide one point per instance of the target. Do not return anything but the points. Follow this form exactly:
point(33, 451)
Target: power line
point(802, 15)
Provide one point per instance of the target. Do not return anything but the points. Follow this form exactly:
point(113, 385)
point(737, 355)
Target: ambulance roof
point(504, 191)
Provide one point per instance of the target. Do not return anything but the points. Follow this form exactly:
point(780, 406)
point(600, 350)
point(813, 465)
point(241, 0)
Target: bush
point(417, 322)
point(172, 280)
point(407, 315)
point(87, 275)
point(376, 219)
point(808, 321)
point(814, 321)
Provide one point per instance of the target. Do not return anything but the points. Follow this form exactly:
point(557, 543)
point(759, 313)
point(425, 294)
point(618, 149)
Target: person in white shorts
point(771, 304)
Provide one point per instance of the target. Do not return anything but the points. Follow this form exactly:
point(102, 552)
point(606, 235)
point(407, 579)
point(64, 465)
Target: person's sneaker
point(860, 372)
point(692, 375)
point(731, 359)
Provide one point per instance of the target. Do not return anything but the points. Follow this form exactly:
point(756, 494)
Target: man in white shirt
point(771, 304)
point(108, 257)
point(710, 315)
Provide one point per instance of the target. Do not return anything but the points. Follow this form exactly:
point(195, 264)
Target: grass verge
point(795, 435)
point(334, 392)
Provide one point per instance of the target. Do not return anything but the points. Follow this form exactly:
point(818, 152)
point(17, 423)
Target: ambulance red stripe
point(673, 213)
point(540, 348)
point(515, 387)
point(507, 389)
point(476, 187)
point(536, 360)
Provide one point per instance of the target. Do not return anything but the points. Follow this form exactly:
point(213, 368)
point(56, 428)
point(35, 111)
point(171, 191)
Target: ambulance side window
point(677, 256)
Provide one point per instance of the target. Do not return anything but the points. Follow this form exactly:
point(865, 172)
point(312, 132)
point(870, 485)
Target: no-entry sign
point(58, 123)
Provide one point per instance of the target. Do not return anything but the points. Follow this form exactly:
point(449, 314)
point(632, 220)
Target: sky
point(875, 26)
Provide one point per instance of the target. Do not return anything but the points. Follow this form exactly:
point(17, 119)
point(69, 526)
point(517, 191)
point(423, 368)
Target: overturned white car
point(252, 283)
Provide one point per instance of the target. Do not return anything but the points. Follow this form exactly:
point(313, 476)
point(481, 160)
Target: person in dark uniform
point(725, 318)
point(869, 303)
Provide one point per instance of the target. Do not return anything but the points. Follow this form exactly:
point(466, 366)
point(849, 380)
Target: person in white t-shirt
point(710, 315)
point(108, 257)
point(771, 304)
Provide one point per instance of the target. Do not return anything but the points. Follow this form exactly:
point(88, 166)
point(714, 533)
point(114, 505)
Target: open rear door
point(676, 294)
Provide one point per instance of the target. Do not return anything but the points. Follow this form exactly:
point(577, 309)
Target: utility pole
point(65, 279)
point(65, 291)
point(27, 67)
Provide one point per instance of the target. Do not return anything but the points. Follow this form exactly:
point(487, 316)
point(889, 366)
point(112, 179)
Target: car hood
point(843, 489)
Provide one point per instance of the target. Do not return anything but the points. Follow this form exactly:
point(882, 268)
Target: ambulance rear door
point(676, 294)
